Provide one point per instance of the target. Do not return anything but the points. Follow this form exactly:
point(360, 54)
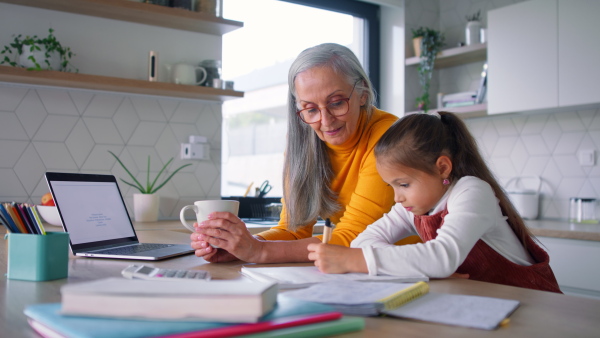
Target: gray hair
point(307, 170)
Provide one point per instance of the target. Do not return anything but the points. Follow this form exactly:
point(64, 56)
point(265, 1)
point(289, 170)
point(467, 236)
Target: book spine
point(459, 104)
point(245, 329)
point(400, 298)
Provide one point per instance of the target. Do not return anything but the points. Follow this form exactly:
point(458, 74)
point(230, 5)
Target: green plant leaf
point(431, 44)
point(138, 185)
point(49, 43)
point(149, 189)
point(133, 185)
point(170, 176)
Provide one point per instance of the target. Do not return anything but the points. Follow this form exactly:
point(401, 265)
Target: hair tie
point(435, 113)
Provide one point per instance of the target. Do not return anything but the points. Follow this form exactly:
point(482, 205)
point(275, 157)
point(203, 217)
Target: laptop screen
point(92, 209)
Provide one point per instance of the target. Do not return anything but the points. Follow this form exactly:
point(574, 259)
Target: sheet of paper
point(350, 297)
point(303, 276)
point(461, 310)
point(347, 292)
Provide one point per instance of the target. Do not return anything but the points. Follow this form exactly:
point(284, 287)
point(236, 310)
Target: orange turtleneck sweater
point(363, 196)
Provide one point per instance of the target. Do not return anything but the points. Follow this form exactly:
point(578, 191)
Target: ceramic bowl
point(49, 214)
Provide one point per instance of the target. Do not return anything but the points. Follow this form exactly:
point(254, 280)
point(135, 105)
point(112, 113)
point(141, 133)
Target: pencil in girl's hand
point(327, 229)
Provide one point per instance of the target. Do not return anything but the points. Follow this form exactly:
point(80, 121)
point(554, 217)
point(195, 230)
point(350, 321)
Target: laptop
point(93, 212)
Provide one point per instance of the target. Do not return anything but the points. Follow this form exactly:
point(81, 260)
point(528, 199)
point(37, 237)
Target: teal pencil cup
point(38, 257)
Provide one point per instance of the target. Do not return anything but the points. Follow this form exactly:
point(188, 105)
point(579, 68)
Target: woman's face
point(321, 85)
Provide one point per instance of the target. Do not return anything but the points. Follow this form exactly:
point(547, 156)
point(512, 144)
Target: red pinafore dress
point(485, 264)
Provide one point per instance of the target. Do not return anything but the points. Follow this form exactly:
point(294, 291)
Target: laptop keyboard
point(132, 249)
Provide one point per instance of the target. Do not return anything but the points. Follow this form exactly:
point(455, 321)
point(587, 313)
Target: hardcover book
point(224, 301)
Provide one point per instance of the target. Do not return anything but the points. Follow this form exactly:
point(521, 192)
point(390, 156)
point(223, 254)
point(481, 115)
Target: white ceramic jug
point(182, 73)
point(526, 201)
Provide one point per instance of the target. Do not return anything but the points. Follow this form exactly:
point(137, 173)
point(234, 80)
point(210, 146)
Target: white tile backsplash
point(544, 145)
point(54, 129)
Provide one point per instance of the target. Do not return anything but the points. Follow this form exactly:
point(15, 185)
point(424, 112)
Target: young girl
point(445, 193)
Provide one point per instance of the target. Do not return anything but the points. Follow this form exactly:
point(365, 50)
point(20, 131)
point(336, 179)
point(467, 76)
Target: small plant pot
point(40, 57)
point(145, 207)
point(417, 42)
point(472, 33)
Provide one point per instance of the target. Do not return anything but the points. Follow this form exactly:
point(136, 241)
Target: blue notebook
point(48, 317)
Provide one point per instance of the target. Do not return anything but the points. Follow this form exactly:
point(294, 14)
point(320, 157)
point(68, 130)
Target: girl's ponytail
point(418, 140)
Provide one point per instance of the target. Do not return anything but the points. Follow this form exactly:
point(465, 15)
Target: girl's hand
point(229, 233)
point(337, 259)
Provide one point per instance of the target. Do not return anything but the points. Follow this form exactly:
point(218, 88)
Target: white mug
point(204, 208)
point(182, 73)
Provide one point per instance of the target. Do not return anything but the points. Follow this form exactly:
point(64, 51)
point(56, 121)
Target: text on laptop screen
point(92, 211)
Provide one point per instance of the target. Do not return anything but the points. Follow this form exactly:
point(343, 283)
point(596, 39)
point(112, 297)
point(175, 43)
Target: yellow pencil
point(248, 190)
point(327, 229)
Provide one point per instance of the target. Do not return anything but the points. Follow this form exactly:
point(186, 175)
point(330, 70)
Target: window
point(257, 58)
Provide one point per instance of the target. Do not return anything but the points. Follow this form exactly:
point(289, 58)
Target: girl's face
point(319, 86)
point(417, 191)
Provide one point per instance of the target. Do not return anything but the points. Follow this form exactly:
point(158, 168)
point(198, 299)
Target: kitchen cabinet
point(579, 52)
point(455, 57)
point(543, 55)
point(575, 264)
point(130, 11)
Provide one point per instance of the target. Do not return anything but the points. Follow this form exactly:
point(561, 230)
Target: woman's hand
point(229, 234)
point(207, 252)
point(337, 259)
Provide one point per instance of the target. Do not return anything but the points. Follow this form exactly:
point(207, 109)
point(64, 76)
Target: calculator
point(135, 271)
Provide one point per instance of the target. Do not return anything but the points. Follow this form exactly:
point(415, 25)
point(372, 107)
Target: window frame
point(368, 12)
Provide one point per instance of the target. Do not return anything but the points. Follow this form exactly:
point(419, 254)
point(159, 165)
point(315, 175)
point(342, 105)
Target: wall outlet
point(587, 157)
point(195, 151)
point(198, 139)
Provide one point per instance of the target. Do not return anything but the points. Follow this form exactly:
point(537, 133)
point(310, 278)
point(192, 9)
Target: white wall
point(109, 47)
point(50, 128)
point(544, 144)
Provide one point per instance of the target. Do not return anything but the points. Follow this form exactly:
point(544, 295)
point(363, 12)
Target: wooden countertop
point(540, 228)
point(175, 225)
point(541, 314)
point(564, 229)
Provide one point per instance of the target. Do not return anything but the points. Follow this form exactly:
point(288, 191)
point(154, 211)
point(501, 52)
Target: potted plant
point(431, 43)
point(36, 53)
point(473, 29)
point(145, 204)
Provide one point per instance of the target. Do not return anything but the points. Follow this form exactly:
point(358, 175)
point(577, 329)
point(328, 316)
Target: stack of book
point(115, 307)
point(465, 98)
point(21, 218)
point(459, 99)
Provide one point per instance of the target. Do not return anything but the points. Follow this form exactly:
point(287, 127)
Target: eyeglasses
point(336, 108)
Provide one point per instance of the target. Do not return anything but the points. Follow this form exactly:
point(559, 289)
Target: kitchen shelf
point(477, 110)
point(113, 84)
point(138, 12)
point(455, 56)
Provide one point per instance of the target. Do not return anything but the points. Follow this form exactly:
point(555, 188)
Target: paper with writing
point(461, 310)
point(304, 276)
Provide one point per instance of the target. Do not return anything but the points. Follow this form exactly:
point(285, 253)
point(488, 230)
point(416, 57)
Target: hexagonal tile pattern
point(72, 130)
point(31, 113)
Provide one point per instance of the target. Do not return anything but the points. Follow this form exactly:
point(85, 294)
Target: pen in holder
point(38, 257)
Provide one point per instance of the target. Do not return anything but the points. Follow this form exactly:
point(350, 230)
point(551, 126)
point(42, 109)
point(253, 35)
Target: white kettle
point(526, 201)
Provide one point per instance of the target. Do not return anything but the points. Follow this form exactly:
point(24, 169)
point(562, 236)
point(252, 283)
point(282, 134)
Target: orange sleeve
point(364, 197)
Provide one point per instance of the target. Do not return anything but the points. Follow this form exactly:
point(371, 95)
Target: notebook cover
point(326, 329)
point(95, 327)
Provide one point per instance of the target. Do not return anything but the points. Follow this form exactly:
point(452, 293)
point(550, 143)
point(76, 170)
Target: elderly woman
point(329, 168)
